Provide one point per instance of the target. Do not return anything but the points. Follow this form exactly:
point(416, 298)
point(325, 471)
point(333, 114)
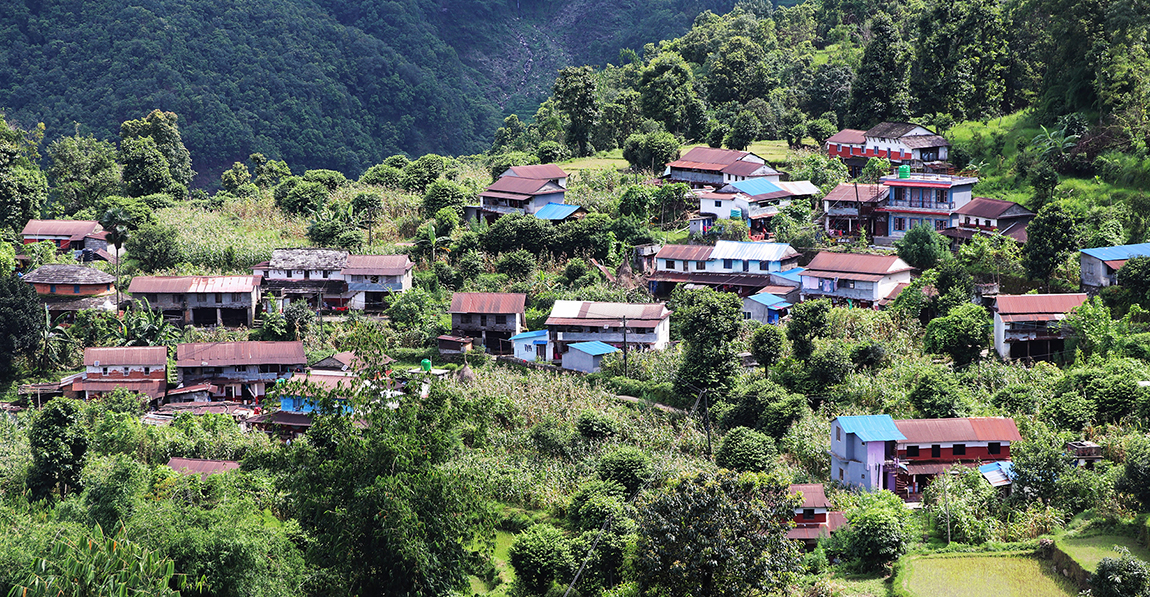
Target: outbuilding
point(530, 346)
point(586, 356)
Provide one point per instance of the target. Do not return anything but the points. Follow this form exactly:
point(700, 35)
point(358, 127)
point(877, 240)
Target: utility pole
point(626, 370)
point(946, 497)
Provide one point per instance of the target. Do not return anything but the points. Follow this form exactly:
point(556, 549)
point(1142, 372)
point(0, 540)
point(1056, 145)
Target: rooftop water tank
point(904, 171)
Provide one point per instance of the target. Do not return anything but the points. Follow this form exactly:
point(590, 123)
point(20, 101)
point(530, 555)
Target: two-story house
point(642, 326)
point(863, 451)
point(851, 207)
point(67, 289)
point(930, 446)
point(900, 142)
point(813, 517)
point(200, 300)
point(714, 167)
point(755, 200)
point(988, 216)
point(548, 172)
point(855, 279)
point(1099, 266)
point(77, 236)
point(373, 279)
point(515, 195)
point(312, 275)
point(139, 369)
point(740, 267)
point(1028, 326)
point(921, 198)
point(238, 370)
point(493, 317)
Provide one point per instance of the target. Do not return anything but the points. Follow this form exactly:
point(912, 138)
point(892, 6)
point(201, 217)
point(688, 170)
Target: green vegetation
point(1089, 549)
point(974, 575)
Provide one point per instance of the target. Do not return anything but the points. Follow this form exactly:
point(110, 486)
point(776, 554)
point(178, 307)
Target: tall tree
point(708, 321)
point(739, 72)
point(21, 312)
point(83, 171)
point(145, 170)
point(575, 94)
point(162, 128)
point(922, 247)
point(1050, 239)
point(59, 442)
point(880, 89)
point(961, 58)
point(668, 94)
point(23, 187)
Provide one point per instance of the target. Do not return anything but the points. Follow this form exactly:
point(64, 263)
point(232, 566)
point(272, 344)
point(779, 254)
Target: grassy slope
point(1088, 551)
point(975, 576)
point(774, 152)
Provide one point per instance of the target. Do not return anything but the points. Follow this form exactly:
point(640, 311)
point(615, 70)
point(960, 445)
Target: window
point(236, 297)
point(746, 314)
point(840, 474)
point(838, 434)
point(808, 513)
point(75, 289)
point(764, 266)
point(147, 370)
point(846, 283)
point(685, 265)
point(700, 265)
point(219, 298)
point(288, 273)
point(900, 223)
point(241, 368)
point(52, 288)
point(108, 286)
point(940, 224)
point(482, 320)
point(670, 264)
point(306, 274)
point(968, 220)
point(105, 371)
point(935, 451)
point(912, 451)
point(994, 448)
point(152, 298)
point(718, 203)
point(465, 318)
point(958, 450)
point(375, 279)
point(500, 320)
point(728, 263)
point(125, 371)
point(323, 274)
point(747, 265)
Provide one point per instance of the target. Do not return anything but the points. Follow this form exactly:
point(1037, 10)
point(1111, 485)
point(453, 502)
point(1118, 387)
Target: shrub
point(551, 437)
point(594, 502)
point(1121, 576)
point(595, 425)
point(519, 265)
point(384, 176)
point(938, 396)
point(627, 466)
point(744, 449)
point(539, 555)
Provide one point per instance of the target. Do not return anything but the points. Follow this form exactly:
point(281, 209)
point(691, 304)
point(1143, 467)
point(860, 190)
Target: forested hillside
point(319, 84)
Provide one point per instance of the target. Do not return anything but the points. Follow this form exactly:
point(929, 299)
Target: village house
point(851, 207)
point(311, 383)
point(1099, 266)
point(334, 279)
point(854, 279)
point(643, 325)
point(515, 195)
point(560, 212)
point(922, 198)
point(139, 369)
point(530, 346)
point(863, 451)
point(930, 446)
point(765, 307)
point(200, 300)
point(586, 356)
point(1026, 326)
point(348, 361)
point(548, 172)
point(239, 370)
point(77, 236)
point(66, 289)
point(714, 167)
point(756, 201)
point(449, 345)
point(740, 267)
point(813, 517)
point(988, 216)
point(899, 142)
point(492, 317)
point(373, 279)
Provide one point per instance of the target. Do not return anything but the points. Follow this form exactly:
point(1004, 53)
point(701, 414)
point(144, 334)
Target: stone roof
point(308, 259)
point(68, 274)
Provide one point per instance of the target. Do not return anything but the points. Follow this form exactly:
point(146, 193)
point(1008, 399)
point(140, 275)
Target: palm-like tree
point(143, 326)
point(56, 344)
point(117, 223)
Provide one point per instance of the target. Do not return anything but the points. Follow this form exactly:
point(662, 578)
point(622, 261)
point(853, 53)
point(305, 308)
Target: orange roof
point(972, 429)
point(865, 193)
point(687, 252)
point(73, 229)
point(814, 496)
point(487, 302)
point(121, 356)
point(218, 354)
point(377, 265)
point(1017, 304)
point(848, 137)
point(537, 171)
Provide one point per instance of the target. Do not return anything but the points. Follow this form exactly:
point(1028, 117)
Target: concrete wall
point(578, 360)
point(1094, 271)
point(525, 350)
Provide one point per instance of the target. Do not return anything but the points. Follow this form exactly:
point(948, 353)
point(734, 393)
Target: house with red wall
point(934, 445)
point(139, 369)
point(813, 517)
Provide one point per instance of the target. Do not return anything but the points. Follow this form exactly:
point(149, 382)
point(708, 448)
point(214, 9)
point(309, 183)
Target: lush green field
point(1088, 551)
point(774, 152)
point(976, 576)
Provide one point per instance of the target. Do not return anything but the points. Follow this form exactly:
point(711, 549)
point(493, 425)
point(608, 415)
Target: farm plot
point(977, 576)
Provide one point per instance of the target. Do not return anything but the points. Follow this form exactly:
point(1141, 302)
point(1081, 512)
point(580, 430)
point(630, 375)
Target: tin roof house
point(918, 198)
point(900, 142)
point(1099, 266)
point(814, 517)
point(851, 207)
point(78, 236)
point(931, 446)
point(714, 167)
point(863, 451)
point(856, 279)
point(988, 216)
point(643, 326)
point(492, 317)
point(740, 267)
point(139, 369)
point(1026, 326)
point(200, 300)
point(238, 370)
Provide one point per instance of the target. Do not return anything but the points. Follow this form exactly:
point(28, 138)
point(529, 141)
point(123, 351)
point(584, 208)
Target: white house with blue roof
point(530, 346)
point(765, 307)
point(586, 356)
point(1100, 265)
point(863, 450)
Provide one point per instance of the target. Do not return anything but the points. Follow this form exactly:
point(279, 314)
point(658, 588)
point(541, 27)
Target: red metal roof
point(855, 263)
point(685, 252)
point(192, 284)
point(713, 155)
point(865, 193)
point(200, 387)
point(848, 137)
point(218, 354)
point(539, 171)
point(73, 229)
point(973, 429)
point(745, 168)
point(1017, 304)
point(377, 265)
point(523, 186)
point(487, 302)
point(985, 207)
point(598, 313)
point(152, 356)
point(328, 380)
point(814, 496)
point(201, 467)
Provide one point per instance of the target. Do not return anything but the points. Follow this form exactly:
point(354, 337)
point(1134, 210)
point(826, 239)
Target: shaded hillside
point(321, 84)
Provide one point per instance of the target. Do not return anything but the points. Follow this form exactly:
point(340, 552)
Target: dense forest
point(318, 84)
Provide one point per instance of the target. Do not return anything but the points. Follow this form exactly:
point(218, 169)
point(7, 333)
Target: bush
point(1121, 576)
point(594, 425)
point(766, 407)
point(767, 345)
point(330, 179)
point(519, 265)
point(878, 531)
point(627, 466)
point(744, 449)
point(443, 194)
point(304, 197)
point(384, 176)
point(539, 555)
point(551, 437)
point(594, 501)
point(938, 396)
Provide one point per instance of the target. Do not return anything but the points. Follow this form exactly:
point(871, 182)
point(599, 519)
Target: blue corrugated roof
point(556, 211)
point(593, 348)
point(527, 335)
point(872, 428)
point(998, 473)
point(1119, 253)
point(756, 186)
point(792, 274)
point(771, 301)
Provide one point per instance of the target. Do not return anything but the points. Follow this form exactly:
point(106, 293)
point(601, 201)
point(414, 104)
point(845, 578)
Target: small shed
point(998, 474)
point(586, 356)
point(765, 307)
point(454, 344)
point(530, 346)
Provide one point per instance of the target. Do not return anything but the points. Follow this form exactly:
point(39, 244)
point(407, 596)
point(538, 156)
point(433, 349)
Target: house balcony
point(894, 205)
point(609, 337)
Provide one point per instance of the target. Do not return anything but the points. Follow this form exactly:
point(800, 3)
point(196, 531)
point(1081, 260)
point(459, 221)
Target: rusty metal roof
point(597, 313)
point(972, 429)
point(219, 354)
point(686, 252)
point(73, 229)
point(377, 265)
point(121, 356)
point(985, 207)
point(200, 387)
point(848, 137)
point(192, 284)
point(745, 168)
point(856, 263)
point(488, 302)
point(864, 193)
point(537, 171)
point(890, 130)
point(153, 388)
point(814, 496)
point(68, 274)
point(729, 249)
point(921, 141)
point(328, 380)
point(1016, 304)
point(713, 155)
point(203, 468)
point(524, 186)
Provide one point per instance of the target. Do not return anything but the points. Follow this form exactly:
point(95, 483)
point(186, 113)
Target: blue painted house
point(863, 450)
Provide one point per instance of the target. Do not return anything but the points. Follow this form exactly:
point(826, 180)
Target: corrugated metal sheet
point(529, 335)
point(152, 388)
point(201, 467)
point(871, 428)
point(848, 137)
point(1119, 253)
point(890, 130)
point(510, 196)
point(328, 380)
point(690, 165)
point(713, 155)
point(377, 265)
point(995, 429)
point(685, 252)
point(973, 429)
point(921, 141)
point(1038, 303)
point(593, 348)
point(124, 356)
point(586, 312)
point(192, 284)
point(200, 387)
point(814, 496)
point(745, 168)
point(524, 186)
point(487, 302)
point(73, 229)
point(556, 211)
point(799, 187)
point(756, 186)
point(729, 249)
point(984, 207)
point(998, 473)
point(843, 276)
point(794, 274)
point(933, 468)
point(769, 300)
point(858, 263)
point(537, 171)
point(219, 354)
